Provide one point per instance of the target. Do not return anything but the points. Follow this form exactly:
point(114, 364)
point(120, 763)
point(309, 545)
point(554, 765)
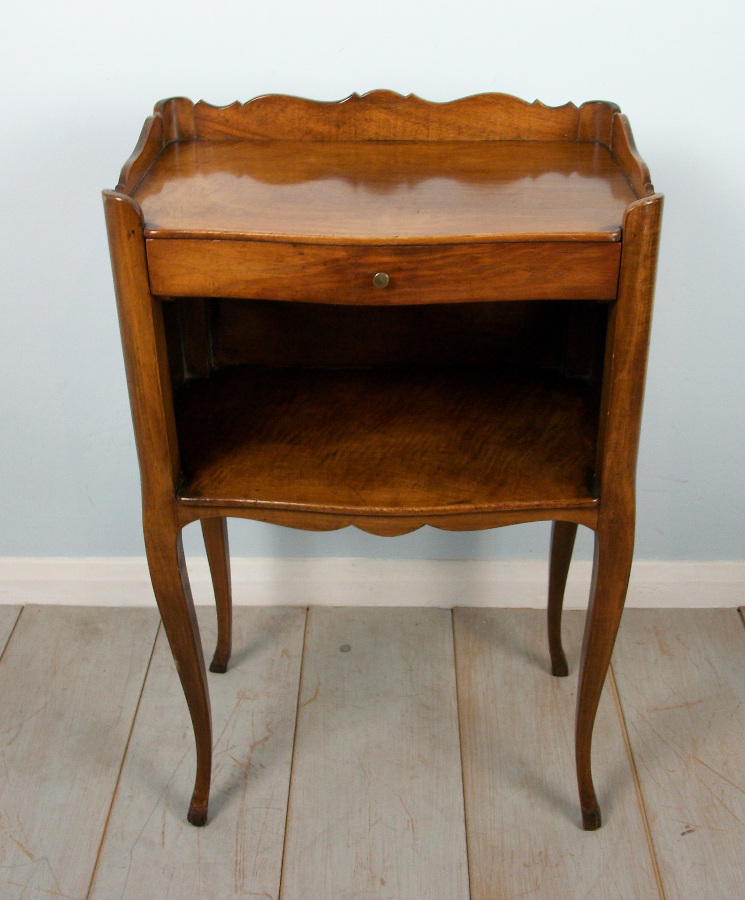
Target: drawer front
point(445, 273)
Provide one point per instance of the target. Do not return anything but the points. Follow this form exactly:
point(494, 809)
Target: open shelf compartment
point(390, 441)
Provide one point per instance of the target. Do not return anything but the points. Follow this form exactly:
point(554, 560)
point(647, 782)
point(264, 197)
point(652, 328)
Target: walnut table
point(386, 313)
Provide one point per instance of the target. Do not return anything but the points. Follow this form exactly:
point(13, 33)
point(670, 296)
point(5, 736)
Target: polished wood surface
point(562, 544)
point(627, 345)
point(165, 558)
point(624, 150)
point(441, 273)
point(215, 533)
point(388, 116)
point(376, 191)
point(398, 441)
point(330, 274)
point(390, 525)
point(486, 201)
point(151, 398)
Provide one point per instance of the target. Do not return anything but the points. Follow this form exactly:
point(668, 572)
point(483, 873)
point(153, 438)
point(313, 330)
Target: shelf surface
point(385, 191)
point(386, 441)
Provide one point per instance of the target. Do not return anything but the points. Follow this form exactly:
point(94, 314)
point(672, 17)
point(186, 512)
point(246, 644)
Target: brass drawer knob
point(380, 280)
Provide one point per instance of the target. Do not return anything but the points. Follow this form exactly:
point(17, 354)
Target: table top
point(385, 191)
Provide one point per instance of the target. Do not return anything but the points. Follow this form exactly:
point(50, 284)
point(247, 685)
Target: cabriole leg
point(215, 531)
point(610, 577)
point(165, 556)
point(562, 544)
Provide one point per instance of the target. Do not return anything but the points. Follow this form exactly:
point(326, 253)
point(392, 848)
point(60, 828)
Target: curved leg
point(610, 578)
point(165, 556)
point(215, 532)
point(562, 544)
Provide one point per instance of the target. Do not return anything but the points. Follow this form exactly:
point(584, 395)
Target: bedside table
point(386, 313)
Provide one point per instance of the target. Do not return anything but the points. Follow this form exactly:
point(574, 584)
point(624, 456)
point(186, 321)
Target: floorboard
point(8, 617)
point(150, 851)
point(376, 806)
point(376, 800)
point(522, 808)
point(681, 680)
point(70, 680)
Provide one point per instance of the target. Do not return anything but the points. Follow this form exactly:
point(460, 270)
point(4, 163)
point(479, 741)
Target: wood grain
point(523, 824)
point(196, 336)
point(215, 534)
point(596, 121)
point(625, 366)
point(8, 617)
point(167, 565)
point(145, 352)
point(178, 118)
point(611, 567)
point(386, 525)
point(395, 442)
point(622, 393)
point(149, 850)
point(681, 680)
point(549, 270)
point(563, 535)
point(624, 150)
point(533, 334)
point(146, 151)
point(145, 347)
point(376, 804)
point(387, 116)
point(397, 192)
point(70, 680)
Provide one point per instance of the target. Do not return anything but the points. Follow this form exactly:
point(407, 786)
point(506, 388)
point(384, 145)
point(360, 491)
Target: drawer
point(438, 273)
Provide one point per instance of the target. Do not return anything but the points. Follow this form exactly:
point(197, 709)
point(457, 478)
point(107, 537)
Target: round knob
point(380, 280)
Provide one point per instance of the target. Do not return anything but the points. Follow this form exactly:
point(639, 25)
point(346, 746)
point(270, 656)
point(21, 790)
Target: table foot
point(591, 819)
point(559, 666)
point(197, 815)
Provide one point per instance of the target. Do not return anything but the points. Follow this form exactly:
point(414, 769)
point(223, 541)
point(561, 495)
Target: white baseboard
point(368, 582)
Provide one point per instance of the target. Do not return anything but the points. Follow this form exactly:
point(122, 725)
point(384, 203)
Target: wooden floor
point(391, 753)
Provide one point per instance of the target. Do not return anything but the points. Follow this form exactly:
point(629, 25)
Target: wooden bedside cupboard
point(387, 313)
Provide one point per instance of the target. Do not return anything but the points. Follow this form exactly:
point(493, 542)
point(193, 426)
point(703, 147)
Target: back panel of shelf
point(565, 337)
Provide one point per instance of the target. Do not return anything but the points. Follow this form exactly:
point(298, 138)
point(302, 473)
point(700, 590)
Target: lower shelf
point(390, 442)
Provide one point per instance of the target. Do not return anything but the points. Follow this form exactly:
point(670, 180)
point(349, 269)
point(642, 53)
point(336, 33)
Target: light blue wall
point(79, 78)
